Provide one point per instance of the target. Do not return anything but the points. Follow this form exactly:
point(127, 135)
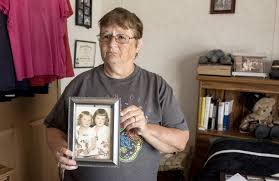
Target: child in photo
point(102, 134)
point(85, 138)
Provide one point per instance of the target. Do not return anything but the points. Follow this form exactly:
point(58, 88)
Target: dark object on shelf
point(274, 133)
point(274, 73)
point(203, 60)
point(262, 132)
point(226, 60)
point(216, 56)
point(251, 99)
point(175, 175)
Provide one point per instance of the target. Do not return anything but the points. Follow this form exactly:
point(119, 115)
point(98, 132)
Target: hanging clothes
point(37, 30)
point(9, 86)
point(7, 74)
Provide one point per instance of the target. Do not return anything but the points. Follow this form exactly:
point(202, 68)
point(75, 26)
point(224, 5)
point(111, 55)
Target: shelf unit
point(227, 88)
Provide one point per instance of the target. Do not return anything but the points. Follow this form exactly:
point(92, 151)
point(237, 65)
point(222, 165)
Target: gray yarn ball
point(203, 60)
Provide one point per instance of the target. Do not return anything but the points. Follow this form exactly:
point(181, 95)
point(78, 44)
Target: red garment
point(43, 80)
point(38, 37)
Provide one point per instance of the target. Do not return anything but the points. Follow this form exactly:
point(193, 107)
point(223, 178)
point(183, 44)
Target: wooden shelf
point(242, 84)
point(228, 134)
point(224, 89)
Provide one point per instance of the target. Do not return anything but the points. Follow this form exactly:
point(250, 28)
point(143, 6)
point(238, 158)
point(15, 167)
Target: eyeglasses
point(119, 38)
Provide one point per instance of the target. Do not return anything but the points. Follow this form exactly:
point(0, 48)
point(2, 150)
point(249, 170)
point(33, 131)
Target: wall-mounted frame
point(84, 13)
point(222, 6)
point(84, 56)
point(93, 131)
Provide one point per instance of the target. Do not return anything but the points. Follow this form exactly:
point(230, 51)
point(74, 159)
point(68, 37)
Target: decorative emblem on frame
point(84, 13)
point(84, 54)
point(222, 6)
point(93, 133)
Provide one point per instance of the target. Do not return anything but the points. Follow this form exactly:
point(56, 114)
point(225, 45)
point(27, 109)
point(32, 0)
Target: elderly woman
point(150, 117)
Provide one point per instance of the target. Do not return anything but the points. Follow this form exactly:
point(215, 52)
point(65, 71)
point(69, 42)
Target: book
point(201, 126)
point(221, 107)
point(210, 116)
point(206, 111)
point(199, 114)
point(226, 120)
point(214, 113)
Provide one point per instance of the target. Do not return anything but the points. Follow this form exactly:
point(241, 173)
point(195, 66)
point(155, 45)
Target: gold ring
point(58, 164)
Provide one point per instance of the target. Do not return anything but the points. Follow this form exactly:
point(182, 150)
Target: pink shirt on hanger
point(37, 30)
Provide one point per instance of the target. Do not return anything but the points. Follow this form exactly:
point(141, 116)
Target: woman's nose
point(113, 41)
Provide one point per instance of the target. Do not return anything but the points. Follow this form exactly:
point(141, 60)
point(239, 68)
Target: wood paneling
point(18, 148)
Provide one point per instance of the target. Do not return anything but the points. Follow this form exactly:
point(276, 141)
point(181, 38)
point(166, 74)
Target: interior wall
point(176, 33)
point(276, 34)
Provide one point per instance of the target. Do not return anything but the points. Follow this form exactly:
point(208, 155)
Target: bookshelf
point(229, 88)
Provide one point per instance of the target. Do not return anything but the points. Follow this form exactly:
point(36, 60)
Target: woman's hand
point(63, 156)
point(133, 119)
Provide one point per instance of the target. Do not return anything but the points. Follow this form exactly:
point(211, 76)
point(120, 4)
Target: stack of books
point(214, 114)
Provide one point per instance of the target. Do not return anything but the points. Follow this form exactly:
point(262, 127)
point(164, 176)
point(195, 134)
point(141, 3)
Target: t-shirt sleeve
point(172, 115)
point(5, 6)
point(65, 8)
point(58, 116)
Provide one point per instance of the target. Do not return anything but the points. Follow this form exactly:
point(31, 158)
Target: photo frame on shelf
point(84, 13)
point(249, 63)
point(93, 133)
point(84, 55)
point(222, 6)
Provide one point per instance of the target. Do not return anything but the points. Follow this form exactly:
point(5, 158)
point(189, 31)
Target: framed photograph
point(84, 54)
point(249, 63)
point(84, 13)
point(93, 131)
point(222, 6)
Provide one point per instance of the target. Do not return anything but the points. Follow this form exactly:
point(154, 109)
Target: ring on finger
point(135, 118)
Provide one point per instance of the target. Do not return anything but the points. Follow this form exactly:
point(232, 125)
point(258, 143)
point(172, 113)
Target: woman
point(150, 117)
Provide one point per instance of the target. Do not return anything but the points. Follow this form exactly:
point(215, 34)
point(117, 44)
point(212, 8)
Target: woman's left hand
point(132, 118)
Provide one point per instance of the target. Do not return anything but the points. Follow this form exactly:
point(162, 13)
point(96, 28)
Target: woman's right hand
point(57, 143)
point(63, 156)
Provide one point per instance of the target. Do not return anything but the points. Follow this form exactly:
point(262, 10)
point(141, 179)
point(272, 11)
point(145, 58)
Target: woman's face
point(85, 121)
point(115, 53)
point(100, 120)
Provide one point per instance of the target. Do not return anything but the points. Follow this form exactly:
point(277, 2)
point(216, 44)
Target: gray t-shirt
point(138, 160)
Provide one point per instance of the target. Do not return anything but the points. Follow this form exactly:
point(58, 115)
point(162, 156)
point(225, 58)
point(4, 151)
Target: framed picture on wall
point(84, 54)
point(84, 13)
point(222, 6)
point(93, 133)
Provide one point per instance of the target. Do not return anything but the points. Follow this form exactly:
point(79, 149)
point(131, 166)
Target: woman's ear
point(139, 45)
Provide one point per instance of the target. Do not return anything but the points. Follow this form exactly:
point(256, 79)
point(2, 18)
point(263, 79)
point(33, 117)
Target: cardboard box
point(221, 70)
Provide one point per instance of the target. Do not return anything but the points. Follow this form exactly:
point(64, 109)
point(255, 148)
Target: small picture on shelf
point(249, 65)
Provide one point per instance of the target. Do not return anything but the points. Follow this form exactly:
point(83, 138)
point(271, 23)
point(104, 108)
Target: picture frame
point(84, 55)
point(222, 6)
point(249, 63)
point(93, 131)
point(84, 13)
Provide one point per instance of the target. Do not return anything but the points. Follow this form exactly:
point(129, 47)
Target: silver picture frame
point(93, 131)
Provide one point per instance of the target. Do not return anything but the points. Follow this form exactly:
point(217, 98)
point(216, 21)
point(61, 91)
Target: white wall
point(177, 32)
